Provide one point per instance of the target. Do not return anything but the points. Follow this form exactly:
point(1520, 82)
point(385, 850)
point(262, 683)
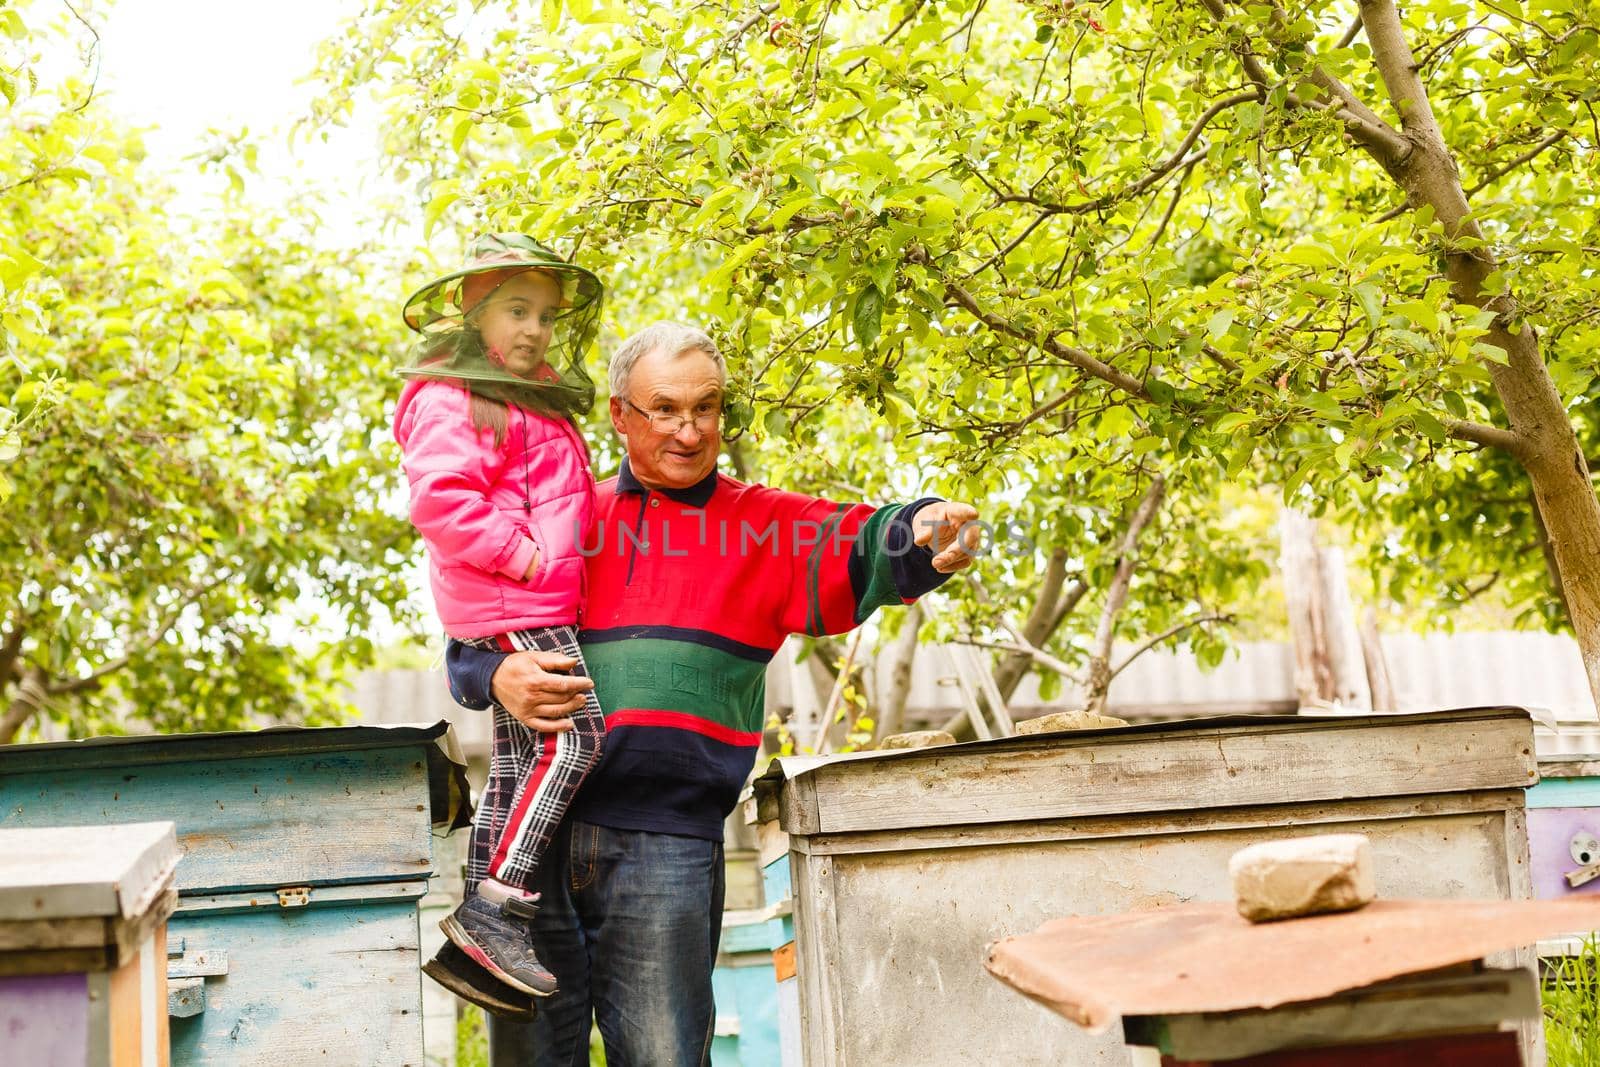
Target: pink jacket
point(483, 510)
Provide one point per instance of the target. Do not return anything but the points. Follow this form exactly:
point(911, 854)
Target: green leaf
point(868, 316)
point(746, 252)
point(1312, 254)
point(435, 209)
point(1371, 301)
point(1219, 324)
point(882, 274)
point(1429, 425)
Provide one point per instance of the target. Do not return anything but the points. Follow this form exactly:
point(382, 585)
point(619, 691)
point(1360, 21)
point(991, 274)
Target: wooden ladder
point(980, 697)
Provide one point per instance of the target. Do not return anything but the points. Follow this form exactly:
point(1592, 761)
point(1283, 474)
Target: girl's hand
point(533, 567)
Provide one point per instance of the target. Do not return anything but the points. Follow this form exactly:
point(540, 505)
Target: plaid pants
point(532, 776)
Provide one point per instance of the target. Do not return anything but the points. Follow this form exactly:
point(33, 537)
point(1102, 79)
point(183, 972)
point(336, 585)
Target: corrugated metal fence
point(1536, 670)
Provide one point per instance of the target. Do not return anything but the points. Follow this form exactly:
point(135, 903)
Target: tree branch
point(1099, 203)
point(902, 656)
point(1077, 357)
point(1551, 564)
point(1039, 656)
point(1377, 136)
point(1117, 595)
point(62, 687)
point(1489, 436)
point(1350, 34)
point(1398, 69)
point(738, 32)
point(1044, 618)
point(1172, 631)
point(902, 24)
point(1500, 172)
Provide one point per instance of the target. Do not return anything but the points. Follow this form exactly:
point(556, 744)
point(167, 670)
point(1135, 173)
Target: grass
point(472, 1041)
point(1571, 997)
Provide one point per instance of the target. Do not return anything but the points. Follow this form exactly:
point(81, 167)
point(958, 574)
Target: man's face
point(518, 320)
point(671, 387)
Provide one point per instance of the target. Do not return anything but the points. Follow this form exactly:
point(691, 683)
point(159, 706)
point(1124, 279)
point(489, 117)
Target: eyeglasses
point(667, 422)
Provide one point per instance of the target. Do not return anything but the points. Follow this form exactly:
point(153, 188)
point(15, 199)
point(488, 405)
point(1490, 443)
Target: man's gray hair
point(673, 338)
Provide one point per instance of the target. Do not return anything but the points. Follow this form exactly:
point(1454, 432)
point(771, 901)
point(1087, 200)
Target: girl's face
point(517, 321)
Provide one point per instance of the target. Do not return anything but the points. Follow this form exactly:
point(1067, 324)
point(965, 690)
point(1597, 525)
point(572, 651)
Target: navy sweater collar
point(696, 495)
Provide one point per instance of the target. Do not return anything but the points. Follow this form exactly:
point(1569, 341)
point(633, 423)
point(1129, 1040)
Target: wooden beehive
point(83, 914)
point(295, 938)
point(906, 865)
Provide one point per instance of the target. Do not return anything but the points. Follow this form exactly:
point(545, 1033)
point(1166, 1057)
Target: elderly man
point(694, 581)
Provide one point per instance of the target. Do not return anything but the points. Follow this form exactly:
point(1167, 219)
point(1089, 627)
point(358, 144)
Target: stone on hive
point(1302, 876)
point(918, 739)
point(1068, 720)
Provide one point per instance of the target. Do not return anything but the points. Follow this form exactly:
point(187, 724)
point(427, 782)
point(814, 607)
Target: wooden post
point(1329, 668)
point(1378, 680)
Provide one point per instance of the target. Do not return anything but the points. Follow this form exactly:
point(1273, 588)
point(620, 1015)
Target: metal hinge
point(297, 896)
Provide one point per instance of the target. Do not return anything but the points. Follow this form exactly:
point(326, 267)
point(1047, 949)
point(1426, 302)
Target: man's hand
point(940, 524)
point(525, 685)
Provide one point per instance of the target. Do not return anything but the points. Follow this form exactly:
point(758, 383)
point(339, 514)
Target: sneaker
point(497, 936)
point(457, 972)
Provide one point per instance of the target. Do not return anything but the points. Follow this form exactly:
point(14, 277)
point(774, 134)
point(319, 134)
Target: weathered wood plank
point(122, 939)
point(907, 931)
point(1439, 1003)
point(319, 896)
point(126, 1018)
point(1124, 772)
point(277, 742)
point(264, 822)
point(1326, 815)
point(355, 999)
point(817, 952)
point(1553, 792)
point(111, 871)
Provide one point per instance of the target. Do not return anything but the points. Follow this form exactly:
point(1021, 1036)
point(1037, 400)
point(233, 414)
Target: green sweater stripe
point(665, 675)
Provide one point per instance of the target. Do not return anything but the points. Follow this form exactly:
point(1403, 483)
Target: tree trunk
point(1329, 669)
point(1541, 436)
point(1054, 602)
point(1302, 594)
point(1378, 680)
point(1097, 686)
point(1548, 551)
point(26, 700)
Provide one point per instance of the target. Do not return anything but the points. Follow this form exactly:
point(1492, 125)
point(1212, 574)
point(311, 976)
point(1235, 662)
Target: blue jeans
point(629, 924)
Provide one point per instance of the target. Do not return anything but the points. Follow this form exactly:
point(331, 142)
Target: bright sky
point(186, 65)
point(179, 68)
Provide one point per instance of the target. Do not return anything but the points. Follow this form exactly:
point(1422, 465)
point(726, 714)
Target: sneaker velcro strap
point(520, 907)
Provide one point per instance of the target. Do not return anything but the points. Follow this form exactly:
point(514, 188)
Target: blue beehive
point(305, 853)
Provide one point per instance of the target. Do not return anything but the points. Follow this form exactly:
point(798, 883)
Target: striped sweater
point(690, 594)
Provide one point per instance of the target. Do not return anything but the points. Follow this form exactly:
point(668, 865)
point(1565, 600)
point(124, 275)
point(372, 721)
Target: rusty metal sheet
point(1187, 958)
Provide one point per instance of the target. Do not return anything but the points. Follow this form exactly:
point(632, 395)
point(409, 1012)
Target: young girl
point(501, 492)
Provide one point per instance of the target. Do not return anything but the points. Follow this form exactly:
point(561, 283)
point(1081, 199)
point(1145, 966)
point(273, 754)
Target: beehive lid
point(114, 872)
point(1213, 761)
point(1203, 957)
point(449, 791)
